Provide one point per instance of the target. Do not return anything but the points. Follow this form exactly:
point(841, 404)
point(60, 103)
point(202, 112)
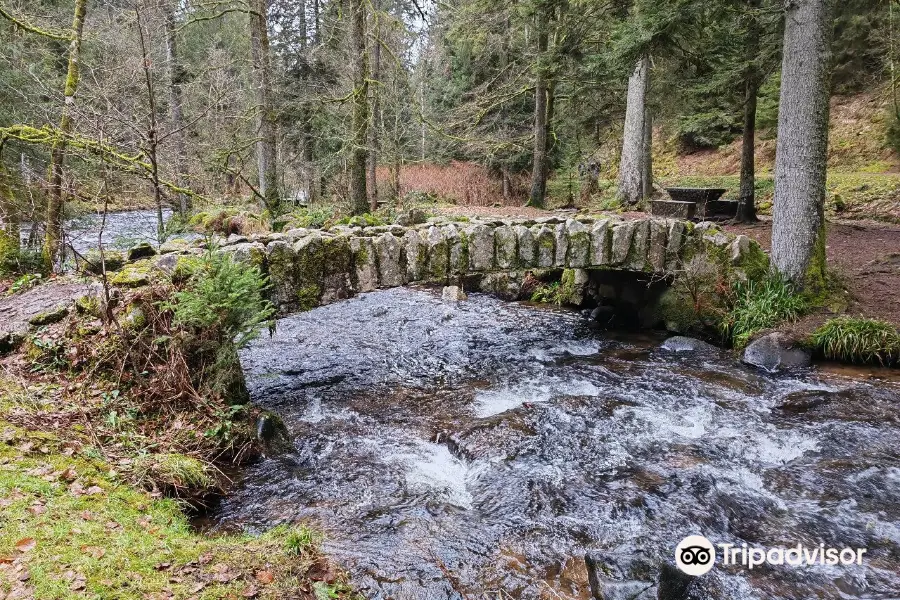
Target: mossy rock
point(93, 262)
point(88, 304)
point(48, 317)
point(142, 250)
point(133, 275)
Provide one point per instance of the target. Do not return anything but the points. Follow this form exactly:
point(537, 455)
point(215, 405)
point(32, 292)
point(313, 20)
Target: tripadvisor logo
point(696, 555)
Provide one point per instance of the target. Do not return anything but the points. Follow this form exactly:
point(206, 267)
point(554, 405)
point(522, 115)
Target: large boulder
point(776, 352)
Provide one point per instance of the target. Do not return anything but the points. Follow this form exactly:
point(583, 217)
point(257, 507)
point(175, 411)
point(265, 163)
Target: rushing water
point(457, 450)
point(121, 230)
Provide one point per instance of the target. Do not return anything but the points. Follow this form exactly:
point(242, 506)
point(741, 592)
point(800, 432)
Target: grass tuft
point(758, 305)
point(858, 340)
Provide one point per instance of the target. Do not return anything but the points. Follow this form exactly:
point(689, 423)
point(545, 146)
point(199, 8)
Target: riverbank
point(106, 445)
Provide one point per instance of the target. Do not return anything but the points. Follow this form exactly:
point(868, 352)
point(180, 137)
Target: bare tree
point(541, 106)
point(176, 74)
point(265, 114)
point(53, 236)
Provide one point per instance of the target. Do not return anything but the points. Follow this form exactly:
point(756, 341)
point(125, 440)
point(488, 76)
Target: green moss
point(677, 311)
point(94, 261)
point(54, 315)
point(133, 275)
point(88, 305)
point(117, 542)
point(361, 258)
point(308, 297)
point(172, 470)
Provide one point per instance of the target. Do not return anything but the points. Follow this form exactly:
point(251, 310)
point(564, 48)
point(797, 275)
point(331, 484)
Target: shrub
point(858, 340)
point(549, 293)
point(224, 296)
point(761, 304)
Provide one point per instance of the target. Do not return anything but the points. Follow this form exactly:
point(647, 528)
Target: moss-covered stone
point(142, 250)
point(307, 297)
point(505, 240)
point(93, 261)
point(415, 251)
point(438, 268)
point(48, 317)
point(579, 245)
point(572, 285)
point(133, 275)
point(546, 246)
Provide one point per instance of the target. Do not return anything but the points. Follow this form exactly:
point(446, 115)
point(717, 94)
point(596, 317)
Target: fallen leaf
point(93, 490)
point(94, 551)
point(87, 515)
point(37, 509)
point(205, 558)
point(198, 588)
point(162, 566)
point(68, 475)
point(250, 591)
point(265, 577)
point(6, 560)
point(26, 544)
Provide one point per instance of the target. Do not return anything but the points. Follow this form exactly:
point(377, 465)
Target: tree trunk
point(53, 237)
point(539, 155)
point(747, 201)
point(359, 154)
point(10, 233)
point(798, 226)
point(647, 163)
point(265, 115)
point(376, 109)
point(631, 164)
point(177, 76)
point(746, 212)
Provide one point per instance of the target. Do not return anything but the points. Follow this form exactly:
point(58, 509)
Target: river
point(464, 450)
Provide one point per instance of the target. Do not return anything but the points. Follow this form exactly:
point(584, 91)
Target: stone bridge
point(310, 267)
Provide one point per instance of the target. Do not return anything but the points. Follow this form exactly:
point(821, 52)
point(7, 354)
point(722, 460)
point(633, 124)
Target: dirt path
point(865, 254)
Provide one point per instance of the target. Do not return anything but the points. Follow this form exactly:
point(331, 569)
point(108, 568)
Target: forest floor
point(865, 255)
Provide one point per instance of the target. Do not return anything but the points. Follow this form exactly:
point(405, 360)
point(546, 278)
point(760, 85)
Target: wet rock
point(680, 343)
point(673, 584)
point(453, 293)
point(804, 400)
point(613, 576)
point(776, 352)
point(174, 246)
point(272, 433)
point(603, 314)
point(142, 250)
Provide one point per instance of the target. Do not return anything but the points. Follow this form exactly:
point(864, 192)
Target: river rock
point(453, 293)
point(776, 352)
point(680, 343)
point(142, 250)
point(805, 400)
